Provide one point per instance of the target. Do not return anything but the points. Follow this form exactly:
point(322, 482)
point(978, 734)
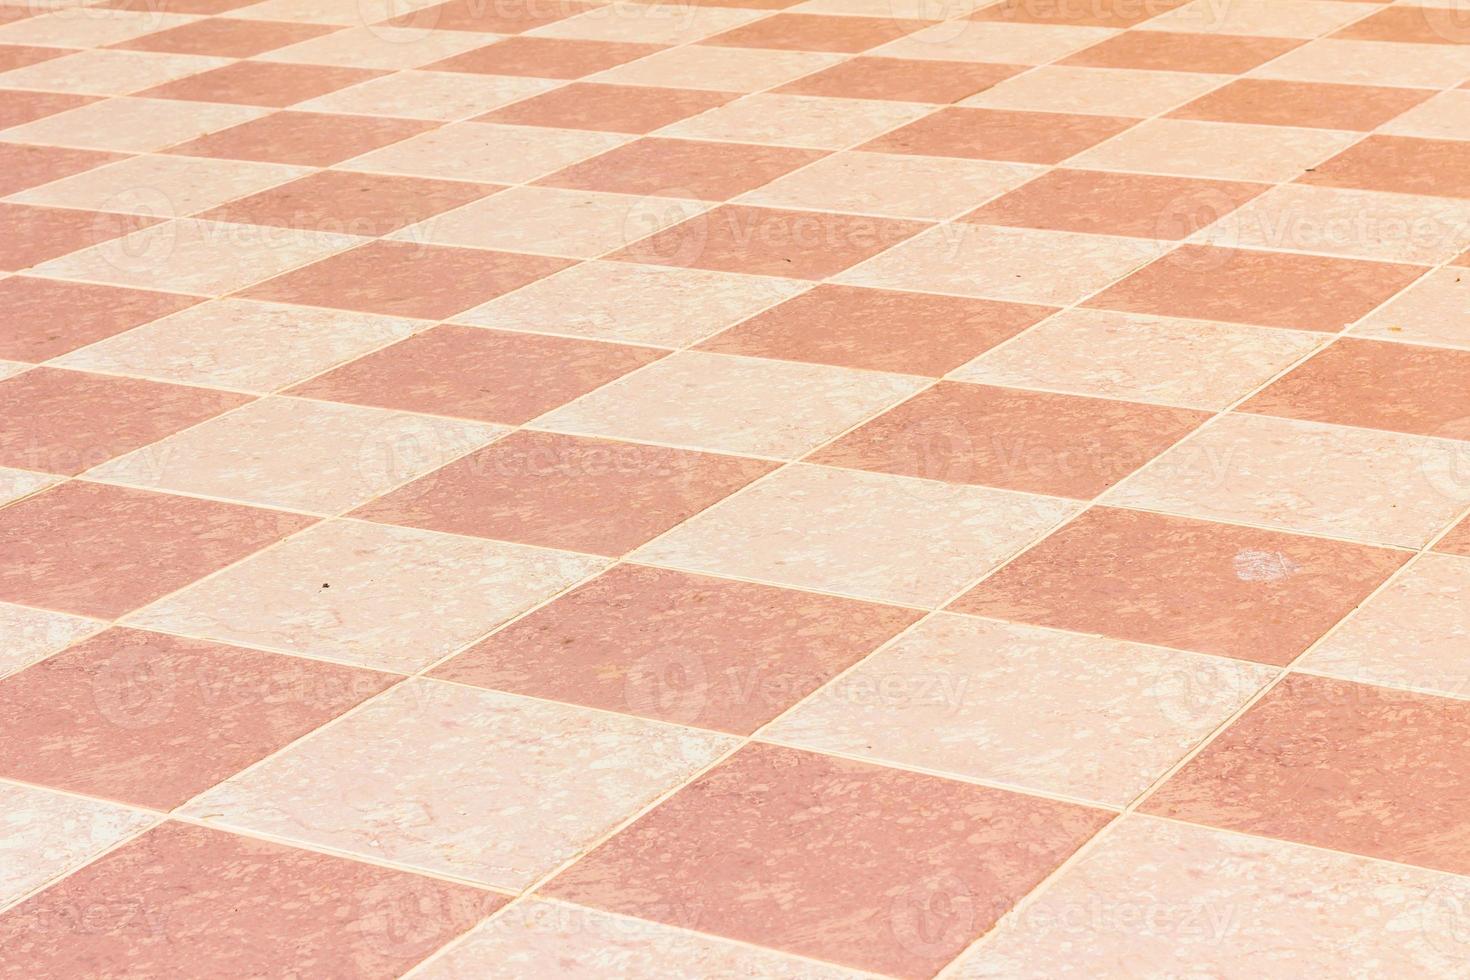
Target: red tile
point(609, 108)
point(500, 17)
point(154, 720)
point(876, 868)
point(682, 168)
point(1269, 102)
point(851, 326)
point(10, 12)
point(682, 648)
point(104, 551)
point(351, 203)
point(227, 38)
point(67, 421)
point(494, 375)
point(817, 32)
point(34, 235)
point(46, 318)
point(1160, 51)
point(591, 495)
point(1339, 765)
point(261, 83)
point(1377, 385)
point(1078, 13)
point(1457, 542)
point(1103, 203)
point(1194, 585)
point(545, 57)
point(1404, 164)
point(1269, 289)
point(771, 242)
point(998, 134)
point(1063, 445)
point(22, 107)
point(20, 55)
point(309, 139)
point(405, 279)
point(1437, 22)
point(186, 900)
point(23, 167)
point(901, 80)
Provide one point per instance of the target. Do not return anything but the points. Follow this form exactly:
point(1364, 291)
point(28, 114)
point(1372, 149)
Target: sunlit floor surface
point(545, 488)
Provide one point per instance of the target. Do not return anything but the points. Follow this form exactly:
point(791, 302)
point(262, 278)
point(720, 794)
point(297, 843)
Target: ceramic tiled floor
point(743, 488)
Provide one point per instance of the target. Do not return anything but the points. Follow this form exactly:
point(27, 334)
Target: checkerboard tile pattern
point(811, 488)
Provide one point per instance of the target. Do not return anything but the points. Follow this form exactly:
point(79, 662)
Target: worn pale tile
point(15, 484)
point(1019, 264)
point(1158, 898)
point(1444, 117)
point(1139, 357)
point(1105, 91)
point(76, 27)
point(30, 634)
point(201, 257)
point(132, 125)
point(160, 186)
point(1083, 716)
point(1372, 63)
point(1412, 634)
point(1434, 310)
point(429, 95)
point(648, 23)
point(1227, 151)
point(321, 457)
point(718, 69)
point(107, 72)
point(1007, 44)
point(463, 781)
point(485, 152)
point(43, 835)
point(1364, 484)
point(798, 120)
point(380, 47)
point(869, 535)
point(236, 343)
point(1259, 18)
point(733, 404)
point(636, 303)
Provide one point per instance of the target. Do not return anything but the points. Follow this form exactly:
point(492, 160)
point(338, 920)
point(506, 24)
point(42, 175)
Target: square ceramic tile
point(902, 79)
point(814, 32)
point(502, 18)
point(153, 720)
point(660, 167)
point(1082, 716)
point(1061, 445)
point(763, 848)
point(477, 373)
point(478, 151)
point(1268, 289)
point(298, 455)
point(231, 343)
point(102, 551)
point(1188, 584)
point(1367, 770)
point(132, 125)
point(1142, 358)
point(560, 491)
point(47, 317)
point(1000, 134)
point(494, 801)
point(378, 47)
point(849, 326)
point(227, 37)
point(1013, 44)
point(552, 221)
point(1225, 151)
point(1434, 310)
point(1434, 22)
point(38, 234)
point(33, 634)
point(49, 834)
point(1445, 116)
point(1401, 164)
point(106, 72)
point(890, 185)
point(634, 109)
point(1376, 385)
point(295, 906)
point(1408, 635)
point(1280, 103)
point(1017, 265)
point(719, 69)
point(1372, 63)
point(66, 421)
point(261, 83)
point(403, 279)
point(308, 139)
point(351, 203)
point(358, 593)
point(27, 166)
point(200, 257)
point(1104, 91)
point(772, 242)
point(620, 301)
point(733, 404)
point(1176, 896)
point(546, 57)
point(1378, 487)
point(86, 28)
point(799, 120)
point(1268, 18)
point(160, 186)
point(676, 647)
point(649, 23)
point(1103, 13)
point(438, 95)
point(1182, 51)
point(869, 535)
